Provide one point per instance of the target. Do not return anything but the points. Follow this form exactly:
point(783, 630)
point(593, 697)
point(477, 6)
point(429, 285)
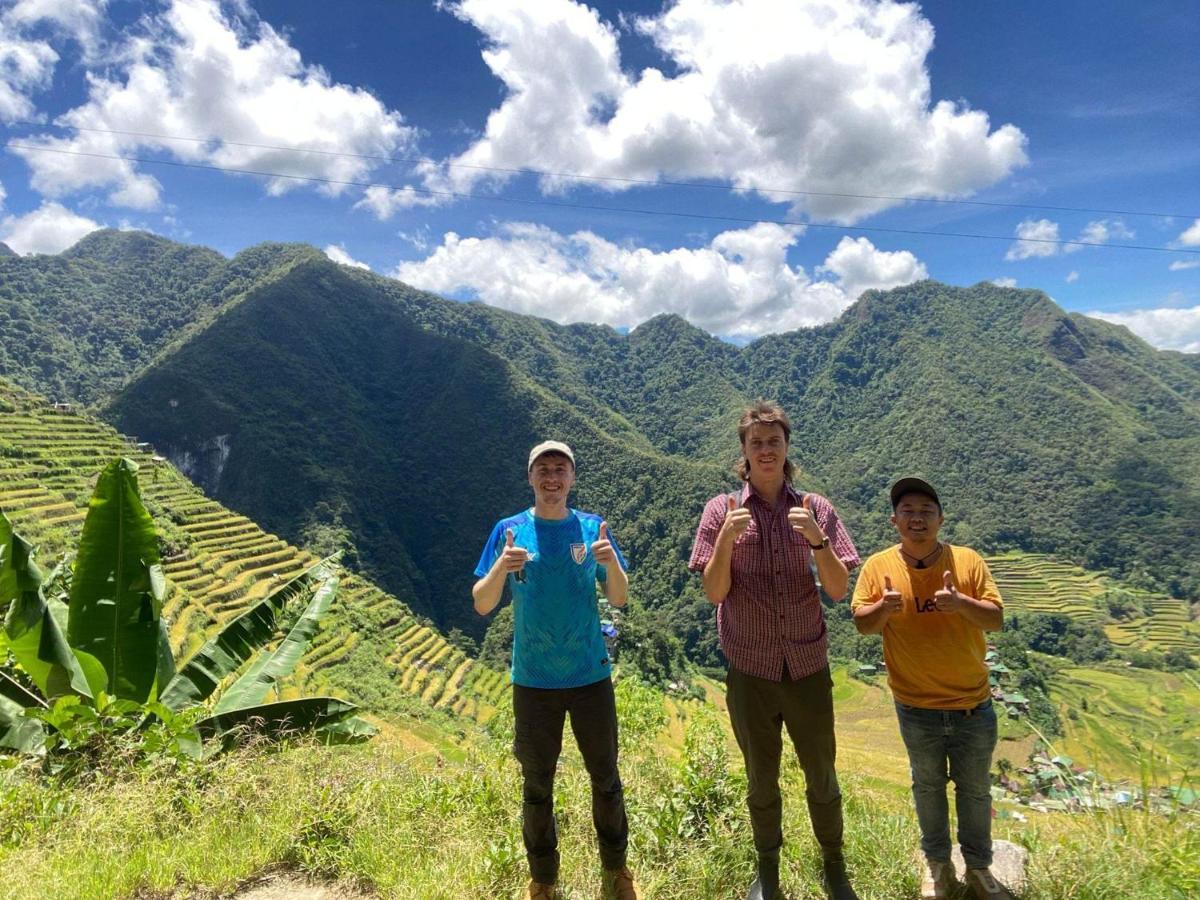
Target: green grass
point(410, 816)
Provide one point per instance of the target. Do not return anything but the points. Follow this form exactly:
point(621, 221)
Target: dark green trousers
point(757, 709)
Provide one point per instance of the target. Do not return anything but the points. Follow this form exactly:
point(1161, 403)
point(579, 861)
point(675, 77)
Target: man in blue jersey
point(552, 556)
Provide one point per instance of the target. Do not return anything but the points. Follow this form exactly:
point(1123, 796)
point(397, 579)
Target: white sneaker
point(937, 880)
point(985, 886)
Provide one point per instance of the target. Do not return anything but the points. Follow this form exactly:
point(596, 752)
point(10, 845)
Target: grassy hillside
point(371, 648)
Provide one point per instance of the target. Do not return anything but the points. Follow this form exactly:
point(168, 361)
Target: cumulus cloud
point(1191, 237)
point(1181, 265)
point(811, 95)
point(338, 254)
point(49, 229)
point(740, 285)
point(1168, 328)
point(26, 66)
point(860, 267)
point(1005, 282)
point(192, 71)
point(79, 19)
point(1033, 235)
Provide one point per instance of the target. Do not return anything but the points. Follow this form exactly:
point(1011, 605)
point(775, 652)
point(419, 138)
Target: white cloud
point(810, 95)
point(190, 71)
point(26, 66)
point(49, 229)
point(1005, 282)
point(860, 267)
point(385, 202)
point(1168, 328)
point(338, 254)
point(740, 285)
point(1031, 232)
point(1181, 265)
point(1191, 237)
point(1072, 277)
point(79, 19)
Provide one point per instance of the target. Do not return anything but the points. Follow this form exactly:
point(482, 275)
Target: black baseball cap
point(913, 485)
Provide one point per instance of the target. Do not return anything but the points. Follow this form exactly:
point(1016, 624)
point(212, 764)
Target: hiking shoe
point(937, 880)
point(985, 886)
point(619, 885)
point(836, 881)
point(539, 891)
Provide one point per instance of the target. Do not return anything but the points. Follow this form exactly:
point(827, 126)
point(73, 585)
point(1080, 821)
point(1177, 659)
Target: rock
point(1008, 864)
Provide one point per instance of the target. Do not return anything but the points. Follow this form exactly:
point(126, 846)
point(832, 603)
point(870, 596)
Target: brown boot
point(619, 885)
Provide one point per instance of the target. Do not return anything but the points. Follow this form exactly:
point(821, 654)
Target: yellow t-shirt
point(934, 659)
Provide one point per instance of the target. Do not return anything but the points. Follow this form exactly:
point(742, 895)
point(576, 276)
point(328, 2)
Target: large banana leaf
point(33, 633)
point(225, 653)
point(277, 719)
point(270, 668)
point(16, 731)
point(117, 588)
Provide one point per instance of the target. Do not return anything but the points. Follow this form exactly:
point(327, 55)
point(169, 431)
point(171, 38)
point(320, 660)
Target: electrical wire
point(592, 207)
point(644, 182)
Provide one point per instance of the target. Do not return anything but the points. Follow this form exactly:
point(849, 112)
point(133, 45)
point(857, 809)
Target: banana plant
point(108, 642)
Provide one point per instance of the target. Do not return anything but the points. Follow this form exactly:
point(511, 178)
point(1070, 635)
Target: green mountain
point(74, 326)
point(342, 408)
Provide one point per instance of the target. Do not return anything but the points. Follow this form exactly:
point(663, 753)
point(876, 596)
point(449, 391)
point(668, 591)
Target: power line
point(594, 207)
point(646, 182)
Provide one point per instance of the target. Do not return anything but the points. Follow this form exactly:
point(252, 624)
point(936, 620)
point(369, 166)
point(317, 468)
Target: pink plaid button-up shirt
point(773, 610)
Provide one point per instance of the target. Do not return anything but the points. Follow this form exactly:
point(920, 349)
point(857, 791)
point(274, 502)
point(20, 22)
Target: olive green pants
point(757, 710)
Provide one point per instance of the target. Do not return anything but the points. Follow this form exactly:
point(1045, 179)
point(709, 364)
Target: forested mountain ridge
point(338, 406)
point(75, 325)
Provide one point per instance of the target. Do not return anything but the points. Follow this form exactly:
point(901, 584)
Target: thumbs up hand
point(513, 558)
point(602, 548)
point(891, 601)
point(737, 519)
point(803, 521)
point(948, 599)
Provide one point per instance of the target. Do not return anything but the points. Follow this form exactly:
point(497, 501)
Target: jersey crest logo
point(578, 553)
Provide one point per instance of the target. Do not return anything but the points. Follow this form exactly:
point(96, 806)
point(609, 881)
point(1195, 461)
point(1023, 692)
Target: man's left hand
point(948, 599)
point(802, 520)
point(602, 548)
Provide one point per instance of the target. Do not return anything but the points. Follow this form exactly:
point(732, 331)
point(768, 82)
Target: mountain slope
point(313, 404)
point(371, 648)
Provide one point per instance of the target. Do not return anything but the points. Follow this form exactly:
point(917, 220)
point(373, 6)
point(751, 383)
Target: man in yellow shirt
point(932, 603)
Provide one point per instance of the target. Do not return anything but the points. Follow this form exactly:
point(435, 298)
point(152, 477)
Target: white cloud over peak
point(49, 229)
point(1035, 237)
point(196, 73)
point(1191, 237)
point(1032, 234)
point(1168, 328)
point(339, 254)
point(1005, 282)
point(739, 285)
point(810, 95)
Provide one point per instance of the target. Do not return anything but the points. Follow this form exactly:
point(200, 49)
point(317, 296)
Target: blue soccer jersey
point(556, 623)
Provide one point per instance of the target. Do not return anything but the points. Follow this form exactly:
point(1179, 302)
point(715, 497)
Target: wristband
point(821, 546)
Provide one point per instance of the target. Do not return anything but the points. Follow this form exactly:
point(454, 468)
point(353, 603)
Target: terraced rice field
point(1044, 584)
point(1129, 723)
point(218, 563)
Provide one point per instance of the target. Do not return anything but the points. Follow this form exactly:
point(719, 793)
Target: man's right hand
point(513, 558)
point(737, 520)
point(891, 601)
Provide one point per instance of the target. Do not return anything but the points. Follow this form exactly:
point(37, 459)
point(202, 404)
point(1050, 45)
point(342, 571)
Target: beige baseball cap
point(550, 447)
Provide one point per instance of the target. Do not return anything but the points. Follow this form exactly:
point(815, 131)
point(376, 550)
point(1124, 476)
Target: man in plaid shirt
point(758, 550)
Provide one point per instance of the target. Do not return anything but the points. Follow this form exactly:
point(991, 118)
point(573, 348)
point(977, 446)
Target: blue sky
point(439, 143)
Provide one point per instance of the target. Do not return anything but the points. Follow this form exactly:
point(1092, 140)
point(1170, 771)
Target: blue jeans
point(952, 745)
